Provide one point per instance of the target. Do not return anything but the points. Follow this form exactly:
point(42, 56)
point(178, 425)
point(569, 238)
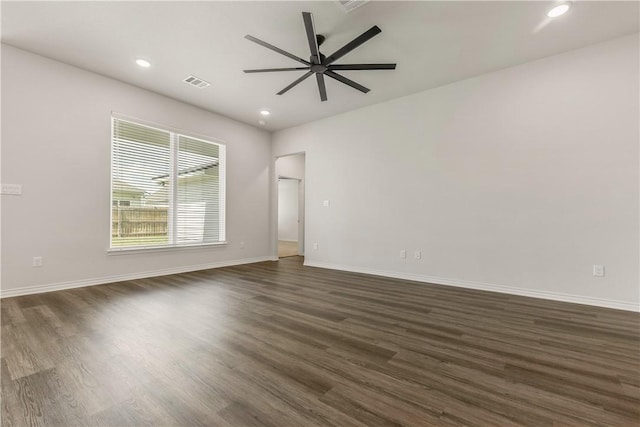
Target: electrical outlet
point(417, 254)
point(37, 261)
point(315, 246)
point(598, 270)
point(403, 254)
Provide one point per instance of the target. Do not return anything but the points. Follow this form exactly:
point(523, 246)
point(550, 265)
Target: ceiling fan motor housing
point(319, 67)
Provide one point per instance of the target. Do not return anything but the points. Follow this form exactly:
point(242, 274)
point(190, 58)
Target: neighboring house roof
point(160, 197)
point(188, 171)
point(123, 189)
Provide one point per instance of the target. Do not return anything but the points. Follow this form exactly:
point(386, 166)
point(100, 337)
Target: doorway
point(290, 227)
point(288, 217)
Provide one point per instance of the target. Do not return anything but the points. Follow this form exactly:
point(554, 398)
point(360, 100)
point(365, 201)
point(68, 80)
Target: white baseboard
point(122, 277)
point(578, 299)
point(555, 296)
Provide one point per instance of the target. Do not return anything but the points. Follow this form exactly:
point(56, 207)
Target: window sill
point(150, 249)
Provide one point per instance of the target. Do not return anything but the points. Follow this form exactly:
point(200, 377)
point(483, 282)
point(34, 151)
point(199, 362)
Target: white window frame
point(222, 183)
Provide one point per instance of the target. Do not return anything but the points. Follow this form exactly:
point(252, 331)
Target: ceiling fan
point(321, 65)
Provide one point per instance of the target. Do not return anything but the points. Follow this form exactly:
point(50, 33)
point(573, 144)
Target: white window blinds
point(167, 189)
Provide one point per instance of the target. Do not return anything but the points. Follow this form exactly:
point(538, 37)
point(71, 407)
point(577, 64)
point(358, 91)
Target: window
point(167, 188)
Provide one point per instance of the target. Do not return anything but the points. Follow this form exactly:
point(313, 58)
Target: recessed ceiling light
point(143, 63)
point(558, 10)
point(265, 112)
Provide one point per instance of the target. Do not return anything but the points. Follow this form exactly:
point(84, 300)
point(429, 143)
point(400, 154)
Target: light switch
point(326, 203)
point(12, 189)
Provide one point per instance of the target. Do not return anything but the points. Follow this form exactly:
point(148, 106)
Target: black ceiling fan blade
point(276, 49)
point(362, 38)
point(321, 87)
point(346, 81)
point(362, 66)
point(311, 37)
point(269, 70)
point(295, 83)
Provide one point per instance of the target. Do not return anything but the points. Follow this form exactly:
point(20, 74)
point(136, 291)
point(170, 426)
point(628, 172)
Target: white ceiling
point(434, 43)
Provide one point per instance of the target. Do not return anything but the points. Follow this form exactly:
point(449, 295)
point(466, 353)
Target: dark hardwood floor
point(279, 344)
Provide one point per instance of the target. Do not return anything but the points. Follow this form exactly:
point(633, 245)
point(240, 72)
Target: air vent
point(349, 5)
point(196, 81)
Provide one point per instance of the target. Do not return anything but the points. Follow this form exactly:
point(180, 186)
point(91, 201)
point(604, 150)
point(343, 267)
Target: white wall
point(56, 143)
point(288, 210)
point(291, 166)
point(518, 181)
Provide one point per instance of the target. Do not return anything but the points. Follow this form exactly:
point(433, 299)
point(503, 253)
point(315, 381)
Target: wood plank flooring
point(287, 249)
point(279, 344)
